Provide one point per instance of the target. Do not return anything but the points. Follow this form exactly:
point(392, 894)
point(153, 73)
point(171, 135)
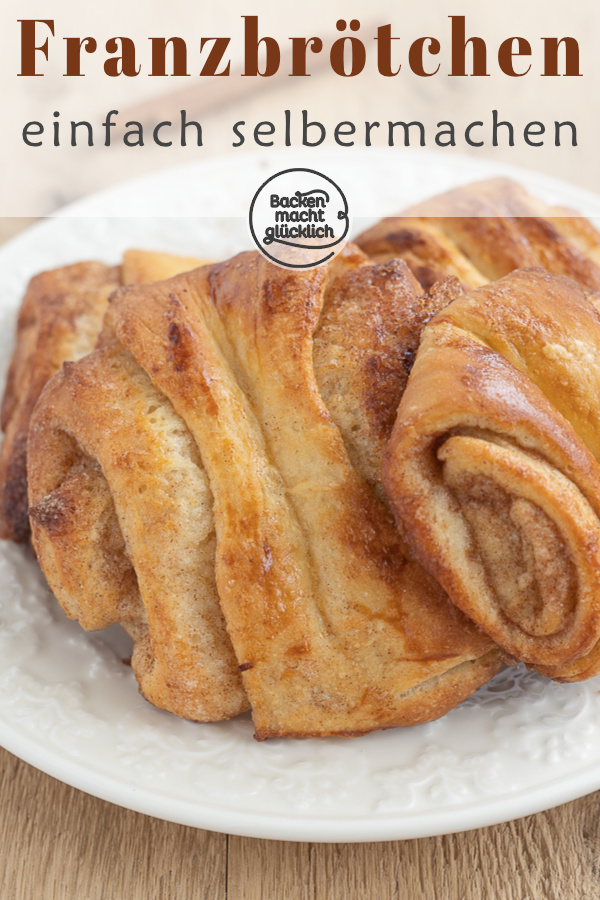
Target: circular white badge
point(299, 218)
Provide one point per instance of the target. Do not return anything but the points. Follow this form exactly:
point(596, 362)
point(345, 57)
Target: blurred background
point(37, 181)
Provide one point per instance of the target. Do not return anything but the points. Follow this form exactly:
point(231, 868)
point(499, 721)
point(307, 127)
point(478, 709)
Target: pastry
point(474, 233)
point(483, 231)
point(60, 319)
point(210, 476)
point(493, 466)
point(226, 437)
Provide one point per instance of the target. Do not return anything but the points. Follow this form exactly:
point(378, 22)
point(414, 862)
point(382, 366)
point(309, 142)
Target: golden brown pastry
point(493, 466)
point(144, 266)
point(483, 231)
point(226, 437)
point(60, 319)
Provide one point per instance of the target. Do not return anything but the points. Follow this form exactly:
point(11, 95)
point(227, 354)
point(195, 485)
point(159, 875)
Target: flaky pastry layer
point(493, 466)
point(235, 417)
point(60, 319)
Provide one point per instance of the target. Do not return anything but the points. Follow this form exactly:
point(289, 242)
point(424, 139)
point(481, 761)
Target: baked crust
point(493, 469)
point(145, 266)
point(335, 629)
point(60, 320)
point(123, 529)
point(483, 231)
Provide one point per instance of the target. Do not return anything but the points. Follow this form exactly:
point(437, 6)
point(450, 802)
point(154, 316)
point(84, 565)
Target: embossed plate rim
point(430, 780)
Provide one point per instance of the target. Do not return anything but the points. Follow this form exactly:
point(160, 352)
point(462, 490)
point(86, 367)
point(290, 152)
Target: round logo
point(299, 219)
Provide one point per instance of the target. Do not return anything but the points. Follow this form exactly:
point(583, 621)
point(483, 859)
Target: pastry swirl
point(230, 424)
point(493, 466)
point(60, 319)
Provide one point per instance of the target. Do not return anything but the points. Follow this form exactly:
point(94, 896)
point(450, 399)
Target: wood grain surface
point(57, 843)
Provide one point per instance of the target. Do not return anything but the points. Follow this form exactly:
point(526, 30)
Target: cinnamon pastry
point(483, 231)
point(493, 466)
point(60, 319)
point(209, 477)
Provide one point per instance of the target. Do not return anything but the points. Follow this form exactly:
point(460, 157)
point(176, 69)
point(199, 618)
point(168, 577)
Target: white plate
point(69, 705)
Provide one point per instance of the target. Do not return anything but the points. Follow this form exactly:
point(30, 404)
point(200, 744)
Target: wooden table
point(57, 843)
